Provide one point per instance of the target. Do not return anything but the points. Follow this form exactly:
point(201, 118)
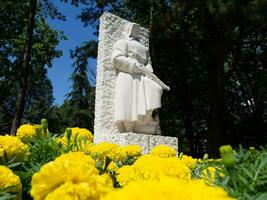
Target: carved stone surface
point(147, 142)
point(105, 128)
point(110, 31)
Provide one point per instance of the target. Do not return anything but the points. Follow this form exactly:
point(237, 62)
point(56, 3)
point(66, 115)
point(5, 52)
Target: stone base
point(147, 142)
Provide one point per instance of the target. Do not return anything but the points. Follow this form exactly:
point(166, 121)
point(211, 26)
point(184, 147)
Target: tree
point(11, 52)
point(212, 54)
point(39, 96)
point(81, 97)
point(25, 64)
point(24, 70)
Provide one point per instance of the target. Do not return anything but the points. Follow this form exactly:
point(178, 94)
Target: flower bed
point(72, 167)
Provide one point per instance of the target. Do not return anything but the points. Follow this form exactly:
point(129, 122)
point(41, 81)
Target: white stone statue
point(138, 91)
point(116, 38)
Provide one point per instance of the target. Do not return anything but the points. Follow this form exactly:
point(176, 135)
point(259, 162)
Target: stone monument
point(127, 91)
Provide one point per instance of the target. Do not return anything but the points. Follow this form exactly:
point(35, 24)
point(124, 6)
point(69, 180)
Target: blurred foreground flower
point(70, 176)
point(168, 188)
point(10, 182)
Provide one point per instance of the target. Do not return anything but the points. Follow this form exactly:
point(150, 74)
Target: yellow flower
point(188, 161)
point(153, 167)
point(132, 150)
point(8, 179)
point(80, 137)
point(208, 175)
point(81, 134)
point(95, 188)
point(112, 166)
point(102, 150)
point(26, 133)
point(62, 141)
point(163, 151)
point(12, 146)
point(85, 146)
point(168, 188)
point(126, 174)
point(68, 176)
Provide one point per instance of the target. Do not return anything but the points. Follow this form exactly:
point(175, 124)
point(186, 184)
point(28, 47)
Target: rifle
point(153, 77)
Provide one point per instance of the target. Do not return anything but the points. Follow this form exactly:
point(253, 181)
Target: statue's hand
point(149, 67)
point(146, 72)
point(138, 69)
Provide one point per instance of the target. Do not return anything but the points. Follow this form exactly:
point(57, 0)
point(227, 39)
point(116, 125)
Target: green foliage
point(7, 194)
point(9, 162)
point(12, 41)
point(41, 152)
point(245, 179)
point(81, 97)
point(195, 45)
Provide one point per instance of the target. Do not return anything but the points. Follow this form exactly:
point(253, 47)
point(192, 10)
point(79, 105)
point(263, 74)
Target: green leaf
point(107, 162)
point(262, 196)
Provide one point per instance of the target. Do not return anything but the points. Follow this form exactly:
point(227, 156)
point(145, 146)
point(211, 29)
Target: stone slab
point(147, 142)
point(110, 31)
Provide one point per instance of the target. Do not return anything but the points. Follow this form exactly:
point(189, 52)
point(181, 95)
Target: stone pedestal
point(147, 142)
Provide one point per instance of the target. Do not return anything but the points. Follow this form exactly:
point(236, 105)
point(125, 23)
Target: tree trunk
point(78, 119)
point(186, 103)
point(216, 104)
point(24, 71)
point(188, 119)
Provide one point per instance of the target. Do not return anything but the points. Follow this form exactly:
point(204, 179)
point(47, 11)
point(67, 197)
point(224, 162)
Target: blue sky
point(76, 33)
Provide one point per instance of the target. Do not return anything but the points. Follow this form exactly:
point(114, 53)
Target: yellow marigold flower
point(12, 146)
point(209, 174)
point(102, 150)
point(81, 134)
point(68, 175)
point(163, 151)
point(117, 154)
point(132, 150)
point(95, 188)
point(8, 179)
point(26, 133)
point(112, 166)
point(153, 167)
point(85, 146)
point(81, 137)
point(62, 140)
point(188, 161)
point(168, 188)
point(126, 174)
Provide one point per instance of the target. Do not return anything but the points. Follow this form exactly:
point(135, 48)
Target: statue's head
point(132, 30)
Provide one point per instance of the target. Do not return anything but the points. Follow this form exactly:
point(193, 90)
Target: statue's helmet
point(132, 30)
